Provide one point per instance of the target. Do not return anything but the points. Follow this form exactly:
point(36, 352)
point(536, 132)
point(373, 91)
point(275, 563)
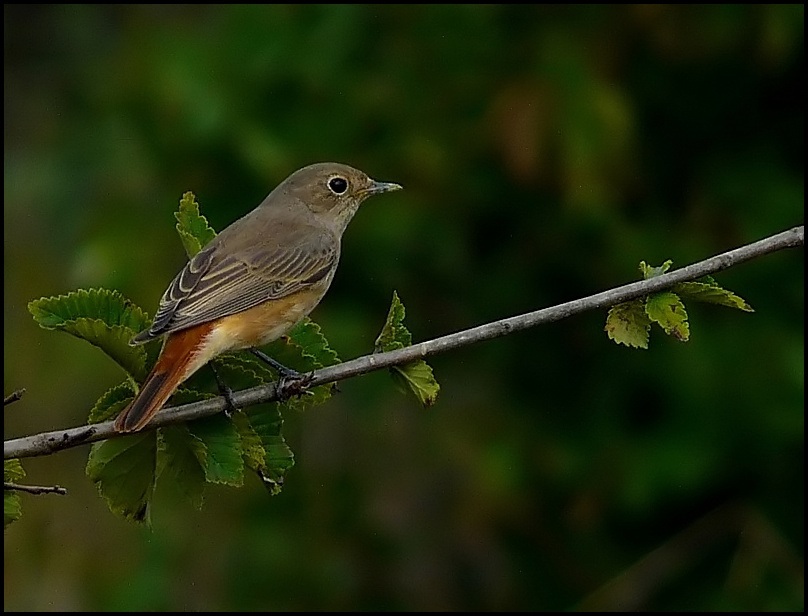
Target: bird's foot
point(296, 384)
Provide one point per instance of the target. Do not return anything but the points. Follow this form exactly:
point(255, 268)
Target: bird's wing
point(213, 284)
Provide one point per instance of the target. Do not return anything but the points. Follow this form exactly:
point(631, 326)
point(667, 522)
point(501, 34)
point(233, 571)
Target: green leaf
point(287, 352)
point(223, 462)
point(628, 324)
point(241, 371)
point(711, 293)
point(219, 456)
point(192, 227)
point(253, 449)
point(109, 306)
point(666, 309)
point(103, 318)
point(267, 422)
point(12, 502)
point(652, 272)
point(185, 395)
point(114, 341)
point(180, 459)
point(394, 335)
point(12, 507)
point(112, 402)
point(124, 471)
point(308, 335)
point(13, 470)
point(417, 376)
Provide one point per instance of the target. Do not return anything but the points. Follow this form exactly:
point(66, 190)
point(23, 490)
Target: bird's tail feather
point(179, 359)
point(152, 396)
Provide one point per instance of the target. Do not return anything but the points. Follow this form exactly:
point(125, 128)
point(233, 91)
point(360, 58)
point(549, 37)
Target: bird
point(253, 282)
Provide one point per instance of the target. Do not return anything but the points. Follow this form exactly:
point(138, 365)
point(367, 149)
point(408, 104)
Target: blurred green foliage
point(544, 150)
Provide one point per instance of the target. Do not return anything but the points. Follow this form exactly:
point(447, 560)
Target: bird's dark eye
point(338, 185)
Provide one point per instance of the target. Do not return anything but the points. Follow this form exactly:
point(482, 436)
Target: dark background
point(545, 151)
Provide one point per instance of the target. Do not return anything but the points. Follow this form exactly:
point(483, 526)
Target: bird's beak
point(382, 187)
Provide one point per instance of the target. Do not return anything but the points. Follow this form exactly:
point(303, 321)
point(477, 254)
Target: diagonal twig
point(49, 442)
point(13, 396)
point(18, 487)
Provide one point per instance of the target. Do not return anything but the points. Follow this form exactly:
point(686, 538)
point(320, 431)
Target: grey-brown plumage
point(289, 242)
point(254, 281)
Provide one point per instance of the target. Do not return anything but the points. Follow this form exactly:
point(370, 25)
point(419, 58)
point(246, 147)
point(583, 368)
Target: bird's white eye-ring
point(338, 185)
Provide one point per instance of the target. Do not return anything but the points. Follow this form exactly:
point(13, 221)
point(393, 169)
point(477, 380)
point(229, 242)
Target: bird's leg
point(290, 382)
point(225, 392)
point(282, 370)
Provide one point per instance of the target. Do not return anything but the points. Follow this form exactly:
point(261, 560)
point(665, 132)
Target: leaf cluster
point(629, 323)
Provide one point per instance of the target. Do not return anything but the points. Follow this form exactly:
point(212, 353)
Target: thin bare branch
point(7, 485)
point(13, 396)
point(49, 442)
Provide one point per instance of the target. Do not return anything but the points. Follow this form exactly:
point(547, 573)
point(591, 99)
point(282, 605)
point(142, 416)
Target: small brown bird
point(254, 281)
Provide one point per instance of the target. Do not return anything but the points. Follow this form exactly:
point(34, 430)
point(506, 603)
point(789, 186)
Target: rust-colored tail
point(178, 360)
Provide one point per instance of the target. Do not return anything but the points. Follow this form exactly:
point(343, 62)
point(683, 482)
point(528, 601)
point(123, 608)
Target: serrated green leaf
point(267, 422)
point(124, 471)
point(193, 228)
point(312, 397)
point(393, 335)
point(103, 318)
point(628, 324)
point(308, 335)
point(417, 377)
point(668, 311)
point(112, 402)
point(289, 354)
point(186, 395)
point(711, 293)
point(111, 307)
point(241, 371)
point(224, 462)
point(180, 459)
point(13, 470)
point(652, 272)
point(253, 449)
point(12, 507)
point(114, 341)
point(12, 502)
